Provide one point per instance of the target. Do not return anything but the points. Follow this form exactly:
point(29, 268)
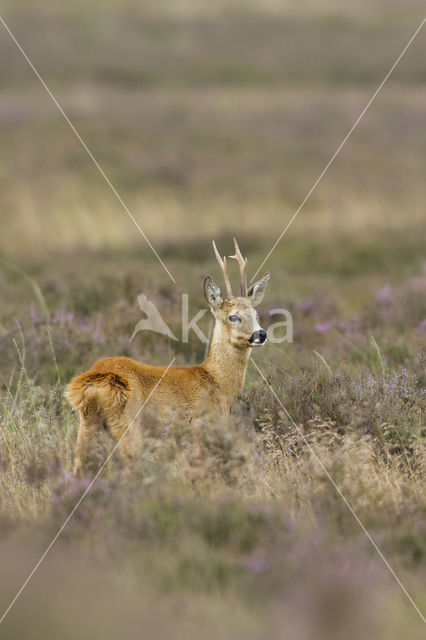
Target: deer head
point(236, 317)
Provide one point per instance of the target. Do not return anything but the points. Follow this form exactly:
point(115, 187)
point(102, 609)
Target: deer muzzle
point(258, 338)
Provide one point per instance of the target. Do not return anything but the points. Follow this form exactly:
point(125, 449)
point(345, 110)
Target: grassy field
point(213, 122)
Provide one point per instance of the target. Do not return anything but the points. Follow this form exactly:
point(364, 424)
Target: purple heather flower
point(255, 563)
point(383, 294)
point(422, 327)
point(35, 317)
point(349, 325)
point(323, 328)
point(63, 317)
point(308, 306)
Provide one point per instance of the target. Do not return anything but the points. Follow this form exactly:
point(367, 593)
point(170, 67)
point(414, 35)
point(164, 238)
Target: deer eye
point(234, 318)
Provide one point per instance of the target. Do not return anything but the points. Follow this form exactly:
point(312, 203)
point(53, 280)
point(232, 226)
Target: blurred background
point(208, 118)
point(214, 119)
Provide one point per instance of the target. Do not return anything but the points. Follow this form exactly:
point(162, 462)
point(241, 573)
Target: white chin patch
point(258, 343)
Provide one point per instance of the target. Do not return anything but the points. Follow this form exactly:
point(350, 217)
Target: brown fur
point(111, 394)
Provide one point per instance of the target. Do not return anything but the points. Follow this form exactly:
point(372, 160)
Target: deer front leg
point(128, 437)
point(131, 444)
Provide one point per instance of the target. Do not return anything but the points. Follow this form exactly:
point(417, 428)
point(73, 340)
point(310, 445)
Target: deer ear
point(212, 293)
point(258, 290)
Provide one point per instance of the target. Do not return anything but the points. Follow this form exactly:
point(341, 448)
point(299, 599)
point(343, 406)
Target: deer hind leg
point(89, 425)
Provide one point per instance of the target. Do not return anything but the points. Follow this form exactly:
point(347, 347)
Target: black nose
point(258, 337)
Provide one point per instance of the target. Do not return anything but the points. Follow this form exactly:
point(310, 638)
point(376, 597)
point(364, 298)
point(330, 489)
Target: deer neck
point(227, 365)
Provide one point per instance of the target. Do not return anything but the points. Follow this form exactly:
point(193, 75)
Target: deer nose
point(258, 337)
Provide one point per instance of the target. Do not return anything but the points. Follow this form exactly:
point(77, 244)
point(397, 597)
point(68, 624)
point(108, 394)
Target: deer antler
point(242, 263)
point(224, 269)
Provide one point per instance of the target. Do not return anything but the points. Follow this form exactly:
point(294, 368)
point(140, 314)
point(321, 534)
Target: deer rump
point(103, 393)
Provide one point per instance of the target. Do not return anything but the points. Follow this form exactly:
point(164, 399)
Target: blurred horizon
point(208, 118)
point(214, 120)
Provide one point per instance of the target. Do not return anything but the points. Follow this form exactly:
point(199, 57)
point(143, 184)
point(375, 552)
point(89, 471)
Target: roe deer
point(109, 396)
